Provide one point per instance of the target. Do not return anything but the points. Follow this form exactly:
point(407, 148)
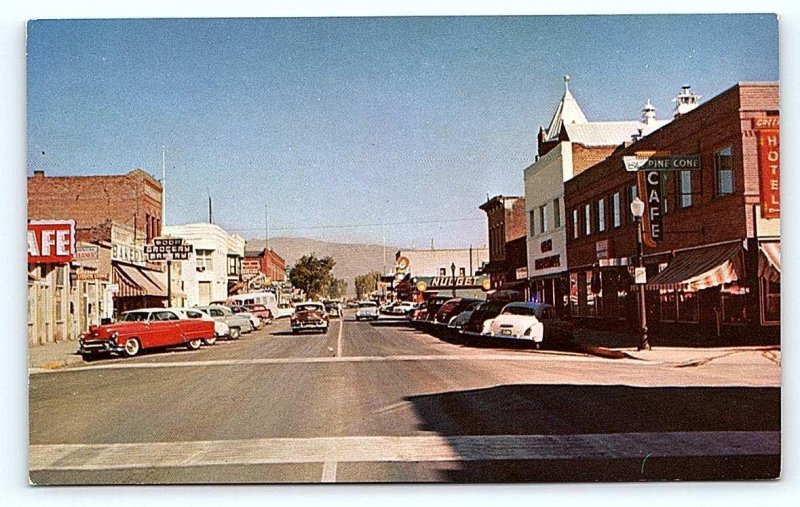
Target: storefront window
point(688, 306)
point(771, 300)
point(59, 292)
point(573, 294)
point(669, 309)
point(733, 299)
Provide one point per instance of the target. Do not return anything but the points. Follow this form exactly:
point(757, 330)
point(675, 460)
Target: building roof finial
point(566, 82)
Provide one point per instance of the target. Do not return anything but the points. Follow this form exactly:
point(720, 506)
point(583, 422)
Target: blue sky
point(336, 122)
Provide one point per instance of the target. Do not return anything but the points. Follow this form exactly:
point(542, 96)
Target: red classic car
point(145, 329)
point(310, 315)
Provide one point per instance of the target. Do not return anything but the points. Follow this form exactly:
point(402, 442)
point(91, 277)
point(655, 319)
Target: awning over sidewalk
point(700, 269)
point(139, 281)
point(769, 262)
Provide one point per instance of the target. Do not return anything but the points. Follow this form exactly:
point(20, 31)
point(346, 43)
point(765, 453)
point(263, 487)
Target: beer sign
point(51, 241)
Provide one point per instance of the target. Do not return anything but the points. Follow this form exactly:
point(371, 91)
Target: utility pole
point(163, 187)
point(266, 227)
point(210, 220)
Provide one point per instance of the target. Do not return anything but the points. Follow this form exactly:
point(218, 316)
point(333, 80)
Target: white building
point(568, 146)
point(215, 265)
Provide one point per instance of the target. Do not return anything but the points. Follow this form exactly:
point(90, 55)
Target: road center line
point(339, 340)
point(329, 472)
point(430, 448)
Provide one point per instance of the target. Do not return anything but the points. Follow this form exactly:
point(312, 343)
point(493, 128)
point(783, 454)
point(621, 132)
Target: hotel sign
point(769, 164)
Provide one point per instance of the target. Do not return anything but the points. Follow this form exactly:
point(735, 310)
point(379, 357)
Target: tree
point(367, 284)
point(312, 275)
point(337, 289)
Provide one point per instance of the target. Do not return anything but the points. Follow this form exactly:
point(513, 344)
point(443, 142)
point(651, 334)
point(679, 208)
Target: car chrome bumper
point(99, 347)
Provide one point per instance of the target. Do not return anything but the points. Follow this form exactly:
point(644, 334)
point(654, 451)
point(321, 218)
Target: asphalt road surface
point(381, 401)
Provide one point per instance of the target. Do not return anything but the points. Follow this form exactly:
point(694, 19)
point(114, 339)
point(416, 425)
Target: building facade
point(506, 223)
point(712, 225)
point(420, 274)
point(569, 145)
point(213, 268)
point(272, 265)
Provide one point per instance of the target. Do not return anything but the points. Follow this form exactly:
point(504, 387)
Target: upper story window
point(685, 189)
point(462, 271)
point(442, 271)
point(601, 215)
point(234, 265)
point(543, 218)
point(723, 165)
point(587, 219)
point(204, 259)
point(532, 222)
point(556, 213)
point(575, 224)
point(616, 211)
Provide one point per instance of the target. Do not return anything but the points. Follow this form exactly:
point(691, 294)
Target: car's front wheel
point(194, 344)
point(132, 347)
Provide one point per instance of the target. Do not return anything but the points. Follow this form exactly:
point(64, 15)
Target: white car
point(220, 328)
point(367, 310)
point(516, 321)
point(404, 308)
point(282, 311)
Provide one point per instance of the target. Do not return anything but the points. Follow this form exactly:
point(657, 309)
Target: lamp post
point(637, 210)
point(169, 279)
point(453, 272)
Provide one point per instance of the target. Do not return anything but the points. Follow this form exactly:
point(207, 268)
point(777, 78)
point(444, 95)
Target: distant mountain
point(352, 259)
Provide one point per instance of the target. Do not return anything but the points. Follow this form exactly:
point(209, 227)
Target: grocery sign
point(51, 241)
point(163, 249)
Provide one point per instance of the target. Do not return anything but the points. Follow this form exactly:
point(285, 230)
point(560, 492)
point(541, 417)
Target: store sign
point(655, 206)
point(769, 141)
point(522, 273)
point(250, 268)
point(603, 249)
point(552, 261)
point(459, 281)
point(51, 241)
point(87, 253)
point(164, 249)
point(641, 162)
point(91, 275)
point(640, 276)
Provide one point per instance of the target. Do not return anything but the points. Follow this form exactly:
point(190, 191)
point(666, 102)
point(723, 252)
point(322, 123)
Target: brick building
point(132, 199)
point(506, 225)
point(569, 145)
point(114, 216)
point(270, 263)
point(713, 276)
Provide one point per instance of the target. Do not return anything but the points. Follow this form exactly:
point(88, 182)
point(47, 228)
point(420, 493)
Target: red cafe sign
point(51, 241)
point(769, 164)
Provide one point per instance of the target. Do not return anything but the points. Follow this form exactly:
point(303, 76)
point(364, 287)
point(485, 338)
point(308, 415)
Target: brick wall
point(516, 224)
point(133, 199)
point(722, 121)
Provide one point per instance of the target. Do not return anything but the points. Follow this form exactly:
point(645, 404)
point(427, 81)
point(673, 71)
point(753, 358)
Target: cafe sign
point(51, 241)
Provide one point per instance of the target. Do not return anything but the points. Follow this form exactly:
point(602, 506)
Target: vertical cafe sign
point(769, 143)
point(51, 241)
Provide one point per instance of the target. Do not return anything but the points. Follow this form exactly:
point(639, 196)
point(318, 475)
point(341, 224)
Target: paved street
point(384, 402)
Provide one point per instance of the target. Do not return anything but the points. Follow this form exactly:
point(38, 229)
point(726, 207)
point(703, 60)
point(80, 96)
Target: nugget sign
point(51, 241)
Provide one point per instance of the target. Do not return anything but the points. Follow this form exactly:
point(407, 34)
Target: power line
point(353, 226)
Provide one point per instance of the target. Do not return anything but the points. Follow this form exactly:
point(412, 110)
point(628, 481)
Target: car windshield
point(519, 310)
point(135, 316)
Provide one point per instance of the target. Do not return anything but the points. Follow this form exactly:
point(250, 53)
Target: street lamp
point(453, 272)
point(637, 210)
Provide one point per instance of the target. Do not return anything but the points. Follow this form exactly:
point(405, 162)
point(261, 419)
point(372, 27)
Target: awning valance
point(769, 262)
point(139, 281)
point(700, 269)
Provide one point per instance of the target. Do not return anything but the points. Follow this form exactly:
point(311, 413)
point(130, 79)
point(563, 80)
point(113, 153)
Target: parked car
point(260, 311)
point(237, 323)
point(420, 314)
point(244, 312)
point(434, 303)
point(403, 308)
point(537, 322)
point(284, 310)
point(387, 308)
point(457, 322)
point(145, 329)
point(309, 315)
point(451, 308)
point(333, 309)
point(367, 310)
point(484, 311)
point(220, 328)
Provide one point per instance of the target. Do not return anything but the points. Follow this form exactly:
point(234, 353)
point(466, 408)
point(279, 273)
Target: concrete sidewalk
point(54, 355)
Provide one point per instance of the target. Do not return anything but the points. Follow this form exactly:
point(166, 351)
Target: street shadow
point(565, 409)
point(390, 323)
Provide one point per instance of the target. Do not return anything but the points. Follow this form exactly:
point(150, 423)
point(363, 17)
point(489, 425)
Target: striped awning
point(769, 262)
point(139, 281)
point(700, 269)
